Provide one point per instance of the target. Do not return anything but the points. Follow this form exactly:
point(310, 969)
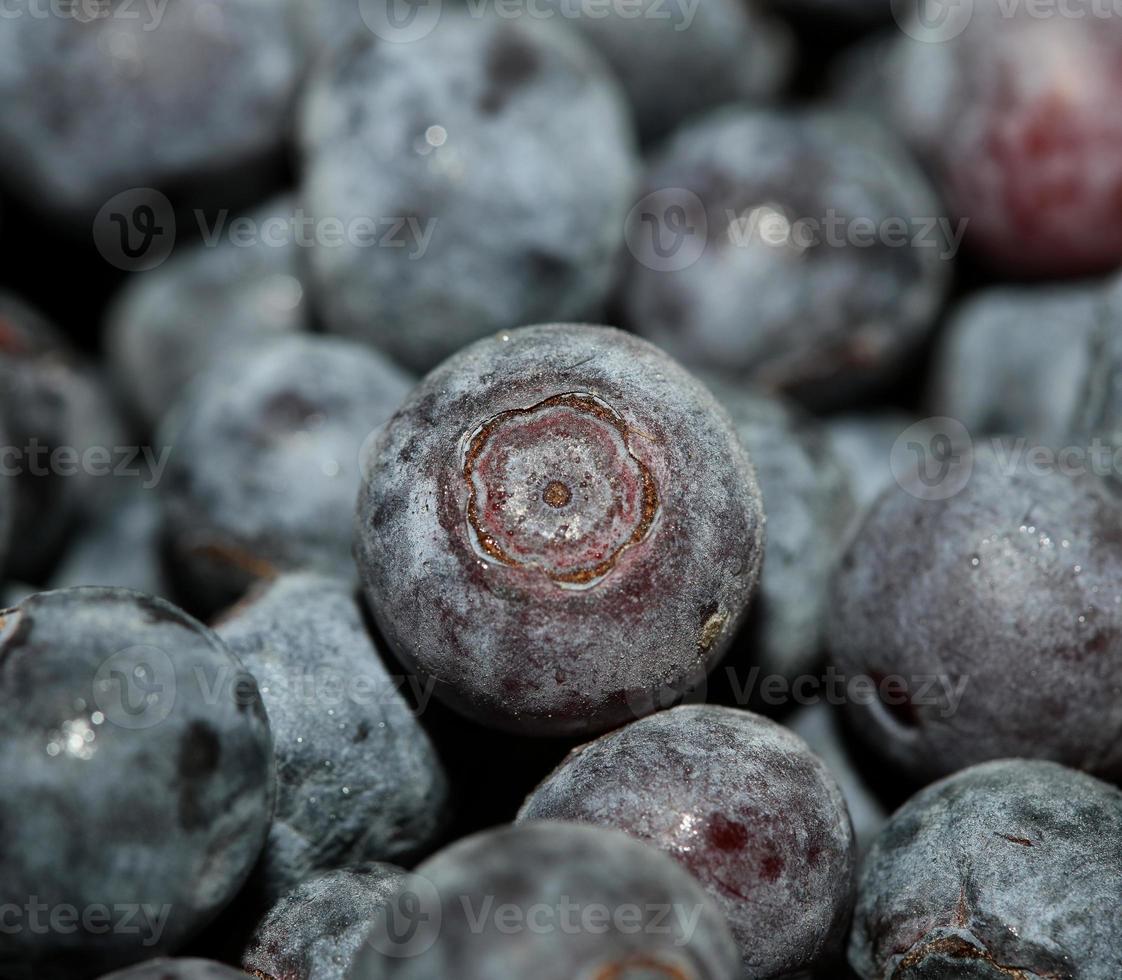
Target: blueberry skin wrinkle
point(742, 804)
point(125, 715)
point(567, 619)
point(1011, 868)
point(357, 777)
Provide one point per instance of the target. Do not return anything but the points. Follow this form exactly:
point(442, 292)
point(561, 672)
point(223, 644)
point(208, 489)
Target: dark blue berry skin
point(818, 316)
point(50, 400)
point(1008, 869)
point(1013, 359)
point(506, 142)
point(184, 969)
point(168, 325)
point(315, 931)
point(809, 506)
point(544, 504)
point(1003, 601)
point(264, 462)
point(121, 549)
point(357, 778)
point(741, 803)
point(862, 443)
point(688, 59)
point(140, 747)
point(98, 105)
point(7, 506)
point(547, 865)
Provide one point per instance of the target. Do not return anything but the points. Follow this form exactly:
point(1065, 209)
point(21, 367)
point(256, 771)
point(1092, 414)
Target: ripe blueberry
point(739, 801)
point(559, 527)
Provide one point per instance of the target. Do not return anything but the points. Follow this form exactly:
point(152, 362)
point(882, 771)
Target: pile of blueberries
point(571, 490)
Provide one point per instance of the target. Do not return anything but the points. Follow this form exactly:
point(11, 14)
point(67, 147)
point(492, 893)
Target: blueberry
point(264, 461)
point(315, 931)
point(1013, 359)
point(481, 178)
point(122, 549)
point(807, 499)
point(169, 324)
point(739, 801)
point(819, 725)
point(137, 768)
point(678, 59)
point(184, 969)
point(357, 777)
point(994, 609)
point(791, 248)
point(1007, 869)
point(553, 901)
point(55, 410)
point(1017, 117)
point(125, 98)
point(7, 505)
point(559, 527)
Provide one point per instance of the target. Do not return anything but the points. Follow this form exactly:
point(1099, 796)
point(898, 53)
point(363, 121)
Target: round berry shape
point(1017, 116)
point(315, 931)
point(140, 746)
point(120, 97)
point(357, 778)
point(481, 176)
point(1011, 868)
point(264, 452)
point(559, 527)
point(799, 249)
point(740, 802)
point(989, 617)
point(556, 901)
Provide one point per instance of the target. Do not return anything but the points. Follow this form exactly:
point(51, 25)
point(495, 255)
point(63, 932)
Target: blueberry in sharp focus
point(315, 931)
point(990, 617)
point(137, 768)
point(481, 179)
point(798, 249)
point(357, 778)
point(678, 59)
point(549, 900)
point(739, 801)
point(559, 527)
point(1017, 117)
point(170, 324)
point(1007, 869)
point(56, 410)
point(125, 97)
point(809, 505)
point(1013, 359)
point(178, 969)
point(264, 461)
